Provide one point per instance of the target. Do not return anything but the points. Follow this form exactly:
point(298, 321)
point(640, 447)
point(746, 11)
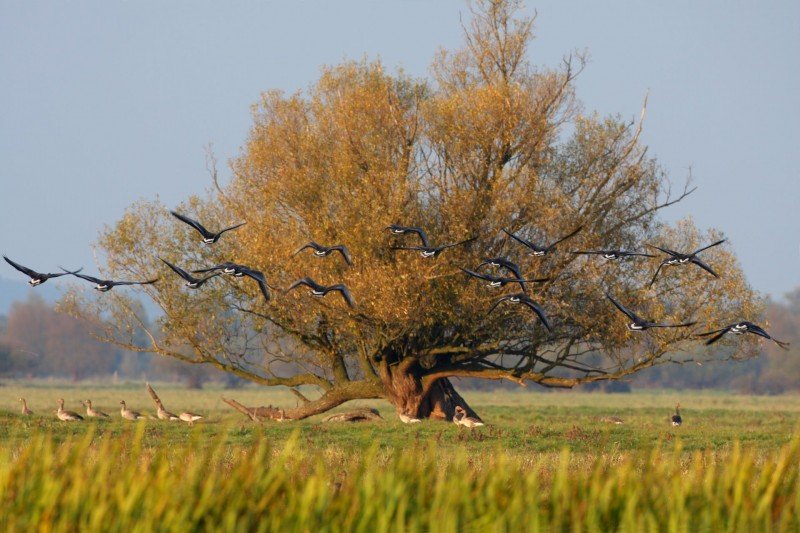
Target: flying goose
point(524, 299)
point(66, 416)
point(25, 410)
point(613, 255)
point(209, 237)
point(91, 412)
point(322, 290)
point(105, 285)
point(496, 281)
point(740, 328)
point(676, 418)
point(677, 258)
point(502, 262)
point(191, 281)
point(403, 230)
point(432, 251)
point(461, 419)
point(128, 413)
point(639, 324)
point(37, 278)
point(324, 251)
point(226, 267)
point(191, 418)
point(537, 250)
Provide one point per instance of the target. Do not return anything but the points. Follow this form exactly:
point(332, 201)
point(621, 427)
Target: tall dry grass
point(113, 483)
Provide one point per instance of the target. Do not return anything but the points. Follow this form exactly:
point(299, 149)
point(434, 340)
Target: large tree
point(490, 142)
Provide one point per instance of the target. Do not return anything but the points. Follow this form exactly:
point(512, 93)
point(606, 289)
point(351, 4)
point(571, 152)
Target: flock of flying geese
point(426, 250)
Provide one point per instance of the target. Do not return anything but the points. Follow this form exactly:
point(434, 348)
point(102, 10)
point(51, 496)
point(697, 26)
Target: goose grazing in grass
point(539, 251)
point(740, 328)
point(640, 324)
point(676, 418)
point(496, 281)
point(191, 281)
point(129, 414)
point(190, 418)
point(163, 414)
point(396, 229)
point(209, 237)
point(524, 299)
point(66, 416)
point(677, 258)
point(405, 419)
point(461, 419)
point(37, 278)
point(432, 251)
point(322, 290)
point(25, 410)
point(105, 285)
point(324, 251)
point(613, 255)
point(91, 412)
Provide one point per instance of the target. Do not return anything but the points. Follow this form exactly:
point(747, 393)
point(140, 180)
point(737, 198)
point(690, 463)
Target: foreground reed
point(116, 484)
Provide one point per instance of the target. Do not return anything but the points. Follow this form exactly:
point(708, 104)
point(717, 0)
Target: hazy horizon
point(104, 104)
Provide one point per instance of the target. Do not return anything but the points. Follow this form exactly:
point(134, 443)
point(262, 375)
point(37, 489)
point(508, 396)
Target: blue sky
point(103, 103)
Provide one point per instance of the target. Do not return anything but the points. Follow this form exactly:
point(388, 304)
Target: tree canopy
point(489, 143)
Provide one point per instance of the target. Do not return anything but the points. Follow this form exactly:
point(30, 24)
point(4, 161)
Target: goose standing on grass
point(405, 419)
point(92, 412)
point(461, 419)
point(676, 418)
point(322, 290)
point(640, 324)
point(66, 416)
point(740, 328)
point(191, 418)
point(163, 414)
point(129, 414)
point(37, 278)
point(540, 251)
point(324, 251)
point(105, 285)
point(209, 237)
point(677, 258)
point(25, 410)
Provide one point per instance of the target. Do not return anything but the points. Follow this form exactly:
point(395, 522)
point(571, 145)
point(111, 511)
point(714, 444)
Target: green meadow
point(544, 461)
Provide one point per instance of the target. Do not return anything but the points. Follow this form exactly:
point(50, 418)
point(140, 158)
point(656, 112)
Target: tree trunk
point(405, 390)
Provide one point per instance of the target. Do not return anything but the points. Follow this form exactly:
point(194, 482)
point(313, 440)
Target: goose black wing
point(340, 287)
point(342, 249)
point(503, 299)
point(630, 314)
point(25, 270)
point(193, 223)
point(719, 334)
point(459, 243)
point(538, 310)
point(667, 251)
point(707, 247)
point(259, 277)
point(562, 239)
point(479, 275)
point(311, 244)
point(308, 282)
point(758, 330)
point(89, 278)
point(656, 274)
point(524, 242)
point(179, 271)
point(684, 325)
point(148, 282)
point(704, 266)
point(229, 228)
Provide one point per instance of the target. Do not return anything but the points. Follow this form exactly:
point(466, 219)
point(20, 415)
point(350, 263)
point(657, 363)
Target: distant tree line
point(37, 341)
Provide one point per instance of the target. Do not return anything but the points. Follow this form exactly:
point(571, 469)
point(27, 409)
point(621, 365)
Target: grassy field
point(545, 460)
